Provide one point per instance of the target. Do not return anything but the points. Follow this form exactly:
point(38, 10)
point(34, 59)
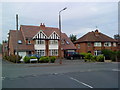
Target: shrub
point(107, 54)
point(12, 58)
point(26, 59)
point(33, 57)
point(94, 58)
point(44, 59)
point(100, 58)
point(83, 55)
point(88, 57)
point(52, 59)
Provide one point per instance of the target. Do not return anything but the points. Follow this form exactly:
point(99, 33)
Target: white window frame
point(29, 41)
point(96, 52)
point(40, 52)
point(53, 42)
point(114, 44)
point(41, 42)
point(107, 44)
point(97, 44)
point(53, 52)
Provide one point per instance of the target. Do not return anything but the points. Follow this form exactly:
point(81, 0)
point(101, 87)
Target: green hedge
point(46, 59)
point(52, 59)
point(91, 58)
point(26, 59)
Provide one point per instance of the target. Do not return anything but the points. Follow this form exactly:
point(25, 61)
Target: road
point(68, 75)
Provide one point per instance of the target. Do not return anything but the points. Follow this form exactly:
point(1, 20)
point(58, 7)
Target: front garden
point(28, 59)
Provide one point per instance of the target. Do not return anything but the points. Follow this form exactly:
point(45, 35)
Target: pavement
point(71, 74)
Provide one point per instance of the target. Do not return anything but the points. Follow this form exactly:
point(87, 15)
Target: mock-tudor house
point(95, 41)
point(41, 40)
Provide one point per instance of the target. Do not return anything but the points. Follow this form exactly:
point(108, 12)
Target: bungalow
point(93, 42)
point(40, 40)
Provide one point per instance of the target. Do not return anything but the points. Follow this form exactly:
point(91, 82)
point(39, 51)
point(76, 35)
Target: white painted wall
point(53, 46)
point(39, 47)
point(23, 54)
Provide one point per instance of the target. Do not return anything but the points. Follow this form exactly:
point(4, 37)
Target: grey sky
point(79, 18)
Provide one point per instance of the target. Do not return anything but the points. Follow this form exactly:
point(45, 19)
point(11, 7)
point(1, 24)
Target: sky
point(79, 18)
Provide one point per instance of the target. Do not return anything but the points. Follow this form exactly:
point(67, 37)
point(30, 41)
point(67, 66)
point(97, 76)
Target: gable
point(40, 35)
point(54, 35)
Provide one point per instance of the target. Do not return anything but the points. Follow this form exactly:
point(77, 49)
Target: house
point(93, 42)
point(40, 40)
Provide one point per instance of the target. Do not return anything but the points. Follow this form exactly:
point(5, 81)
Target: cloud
point(79, 18)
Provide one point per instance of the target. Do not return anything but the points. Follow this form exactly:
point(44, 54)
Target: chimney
point(96, 31)
point(42, 26)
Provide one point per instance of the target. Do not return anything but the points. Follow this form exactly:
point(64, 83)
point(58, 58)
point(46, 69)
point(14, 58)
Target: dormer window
point(67, 42)
point(29, 42)
point(19, 42)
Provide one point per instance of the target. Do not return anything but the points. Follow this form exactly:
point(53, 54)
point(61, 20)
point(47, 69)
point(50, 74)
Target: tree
point(73, 38)
point(117, 36)
point(4, 41)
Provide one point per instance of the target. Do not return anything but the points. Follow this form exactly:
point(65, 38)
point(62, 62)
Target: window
point(97, 44)
point(40, 41)
point(89, 44)
point(67, 42)
point(114, 44)
point(53, 41)
point(40, 52)
point(107, 44)
point(53, 52)
point(97, 52)
point(78, 45)
point(29, 42)
point(19, 42)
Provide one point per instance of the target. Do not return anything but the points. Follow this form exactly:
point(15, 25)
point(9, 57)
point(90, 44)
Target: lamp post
point(60, 32)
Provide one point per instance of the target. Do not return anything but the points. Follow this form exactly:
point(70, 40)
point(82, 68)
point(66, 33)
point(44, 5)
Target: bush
point(33, 57)
point(52, 59)
point(44, 59)
point(88, 57)
point(94, 58)
point(83, 55)
point(13, 58)
point(100, 58)
point(26, 59)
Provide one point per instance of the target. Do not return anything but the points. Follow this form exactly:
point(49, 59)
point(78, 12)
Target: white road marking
point(81, 82)
point(115, 70)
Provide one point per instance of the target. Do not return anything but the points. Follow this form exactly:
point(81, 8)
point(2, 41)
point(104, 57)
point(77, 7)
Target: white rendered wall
point(39, 47)
point(53, 46)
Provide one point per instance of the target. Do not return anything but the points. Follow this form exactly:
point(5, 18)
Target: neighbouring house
point(40, 40)
point(95, 41)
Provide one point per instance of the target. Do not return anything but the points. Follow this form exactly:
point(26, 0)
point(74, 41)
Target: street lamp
point(60, 31)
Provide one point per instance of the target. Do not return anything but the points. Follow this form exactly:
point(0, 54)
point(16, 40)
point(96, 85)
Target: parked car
point(36, 55)
point(72, 55)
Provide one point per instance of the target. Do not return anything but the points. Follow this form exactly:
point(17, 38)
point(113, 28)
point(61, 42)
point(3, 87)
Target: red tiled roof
point(31, 31)
point(17, 35)
point(65, 39)
point(95, 37)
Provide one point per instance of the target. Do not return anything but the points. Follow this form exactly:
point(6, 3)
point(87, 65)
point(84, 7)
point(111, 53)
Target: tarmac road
point(78, 75)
